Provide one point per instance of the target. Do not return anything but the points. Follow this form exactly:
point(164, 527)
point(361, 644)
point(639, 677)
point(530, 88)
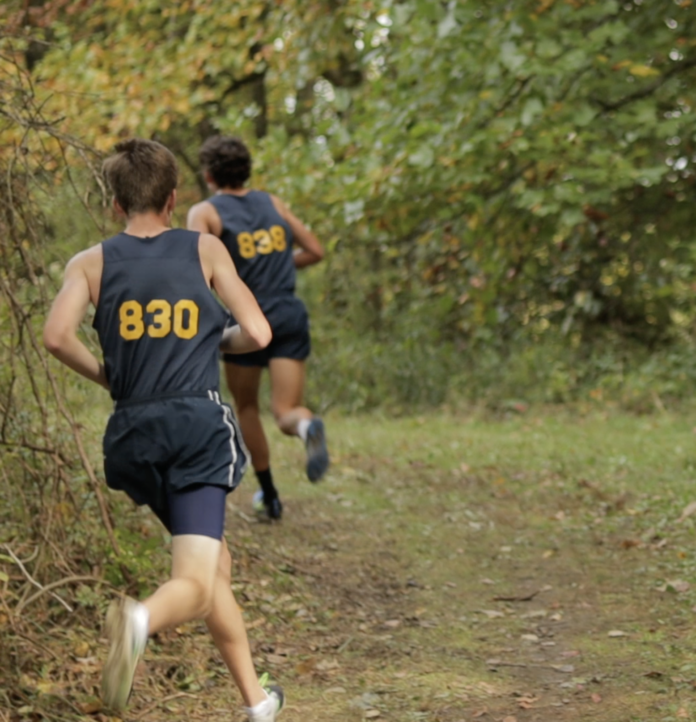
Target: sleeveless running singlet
point(159, 324)
point(259, 240)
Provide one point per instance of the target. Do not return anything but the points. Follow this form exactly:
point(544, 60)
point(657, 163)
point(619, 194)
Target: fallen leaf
point(688, 510)
point(480, 713)
point(427, 623)
point(616, 633)
point(677, 585)
point(535, 614)
point(683, 713)
point(91, 706)
point(510, 718)
point(276, 659)
point(306, 666)
point(393, 623)
point(372, 713)
point(81, 649)
point(596, 698)
point(47, 687)
point(492, 613)
point(524, 597)
point(526, 702)
point(530, 637)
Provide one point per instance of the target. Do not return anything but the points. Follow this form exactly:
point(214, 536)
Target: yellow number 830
point(132, 324)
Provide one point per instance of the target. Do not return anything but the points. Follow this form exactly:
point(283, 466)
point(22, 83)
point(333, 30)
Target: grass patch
point(450, 567)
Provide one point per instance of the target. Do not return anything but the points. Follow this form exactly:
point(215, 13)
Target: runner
point(258, 230)
point(170, 443)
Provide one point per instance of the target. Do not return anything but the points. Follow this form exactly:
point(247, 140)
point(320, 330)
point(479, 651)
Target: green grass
point(390, 587)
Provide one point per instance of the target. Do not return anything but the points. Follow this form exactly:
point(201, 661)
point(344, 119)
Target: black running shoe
point(272, 510)
point(317, 453)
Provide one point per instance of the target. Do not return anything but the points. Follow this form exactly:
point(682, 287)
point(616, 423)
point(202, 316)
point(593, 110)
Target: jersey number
point(261, 241)
point(184, 324)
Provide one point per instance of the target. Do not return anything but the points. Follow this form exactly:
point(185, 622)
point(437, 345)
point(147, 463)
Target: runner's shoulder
point(280, 207)
point(210, 245)
point(87, 258)
point(202, 208)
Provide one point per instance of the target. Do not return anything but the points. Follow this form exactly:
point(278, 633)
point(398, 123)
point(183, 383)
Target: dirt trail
point(404, 589)
point(460, 600)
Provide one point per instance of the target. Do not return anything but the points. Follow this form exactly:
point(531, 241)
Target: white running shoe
point(126, 627)
point(270, 708)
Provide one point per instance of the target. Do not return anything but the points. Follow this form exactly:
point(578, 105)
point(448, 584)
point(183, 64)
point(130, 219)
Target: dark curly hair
point(227, 160)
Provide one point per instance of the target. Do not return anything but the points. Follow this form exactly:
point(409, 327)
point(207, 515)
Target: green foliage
point(486, 177)
point(414, 369)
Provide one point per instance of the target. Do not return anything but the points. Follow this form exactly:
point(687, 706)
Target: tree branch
point(646, 90)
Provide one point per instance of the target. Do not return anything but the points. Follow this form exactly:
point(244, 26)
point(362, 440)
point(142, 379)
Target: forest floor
point(533, 568)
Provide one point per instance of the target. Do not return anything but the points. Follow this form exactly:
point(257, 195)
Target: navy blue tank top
point(159, 324)
point(259, 240)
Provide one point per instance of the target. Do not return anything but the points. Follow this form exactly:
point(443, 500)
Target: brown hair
point(227, 160)
point(142, 174)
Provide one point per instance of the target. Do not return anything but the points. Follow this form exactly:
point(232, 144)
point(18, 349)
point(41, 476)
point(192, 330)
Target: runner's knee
point(278, 413)
point(286, 421)
point(202, 596)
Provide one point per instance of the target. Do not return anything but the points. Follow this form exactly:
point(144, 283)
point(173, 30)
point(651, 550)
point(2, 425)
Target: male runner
point(259, 230)
point(170, 443)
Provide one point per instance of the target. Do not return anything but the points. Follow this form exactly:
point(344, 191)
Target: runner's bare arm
point(252, 332)
point(64, 319)
point(310, 251)
point(204, 218)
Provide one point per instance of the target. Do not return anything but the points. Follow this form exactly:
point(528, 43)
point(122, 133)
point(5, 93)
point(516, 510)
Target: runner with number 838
point(262, 241)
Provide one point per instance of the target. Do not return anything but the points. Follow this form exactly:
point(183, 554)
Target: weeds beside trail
point(448, 569)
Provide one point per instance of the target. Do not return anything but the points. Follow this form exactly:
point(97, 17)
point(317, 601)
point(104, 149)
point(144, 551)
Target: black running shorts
point(159, 448)
point(289, 322)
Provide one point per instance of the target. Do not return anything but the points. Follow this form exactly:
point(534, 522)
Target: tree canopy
point(506, 166)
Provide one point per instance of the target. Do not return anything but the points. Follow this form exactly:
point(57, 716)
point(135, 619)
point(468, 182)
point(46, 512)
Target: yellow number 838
point(184, 322)
point(262, 241)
